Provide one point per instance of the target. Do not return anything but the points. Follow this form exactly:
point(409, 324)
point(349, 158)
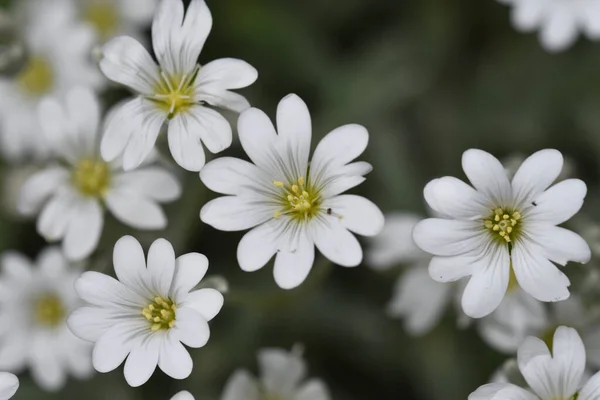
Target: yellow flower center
point(49, 310)
point(161, 313)
point(504, 223)
point(37, 77)
point(92, 177)
point(299, 200)
point(175, 94)
point(103, 16)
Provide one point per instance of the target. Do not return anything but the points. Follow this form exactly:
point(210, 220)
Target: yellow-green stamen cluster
point(161, 313)
point(49, 310)
point(37, 77)
point(504, 223)
point(92, 177)
point(102, 15)
point(299, 200)
point(175, 94)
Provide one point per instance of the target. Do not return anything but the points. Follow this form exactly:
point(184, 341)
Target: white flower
point(148, 313)
point(293, 208)
point(559, 21)
point(417, 298)
point(8, 385)
point(58, 59)
point(72, 196)
point(35, 301)
point(282, 373)
point(501, 226)
point(555, 375)
point(176, 91)
point(183, 396)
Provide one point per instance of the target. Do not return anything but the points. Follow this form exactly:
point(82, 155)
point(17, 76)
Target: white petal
point(206, 302)
point(166, 40)
point(241, 386)
point(56, 215)
point(104, 291)
point(191, 328)
point(84, 230)
point(560, 29)
point(560, 245)
point(419, 300)
point(257, 136)
point(146, 128)
point(189, 270)
point(487, 175)
point(174, 359)
point(83, 107)
point(314, 389)
point(451, 269)
point(337, 244)
point(156, 183)
point(223, 99)
point(488, 284)
point(590, 20)
point(58, 129)
point(538, 276)
point(90, 323)
point(39, 187)
point(281, 371)
point(536, 174)
point(234, 213)
point(346, 178)
point(295, 131)
point(129, 262)
point(225, 73)
point(258, 246)
point(501, 391)
point(127, 62)
point(46, 368)
point(453, 198)
point(444, 237)
point(51, 263)
point(142, 361)
point(138, 212)
point(194, 32)
point(357, 214)
point(591, 390)
point(184, 395)
point(559, 203)
point(528, 14)
point(161, 266)
point(8, 385)
point(212, 128)
point(184, 143)
point(16, 266)
point(112, 347)
point(292, 266)
point(230, 175)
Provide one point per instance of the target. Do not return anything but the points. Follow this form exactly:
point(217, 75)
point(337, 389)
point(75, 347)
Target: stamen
point(161, 313)
point(504, 223)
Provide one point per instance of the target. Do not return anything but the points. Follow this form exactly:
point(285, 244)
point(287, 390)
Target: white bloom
point(293, 208)
point(175, 91)
point(58, 59)
point(500, 225)
point(148, 313)
point(70, 198)
point(183, 396)
point(559, 21)
point(555, 375)
point(282, 373)
point(8, 385)
point(417, 298)
point(35, 301)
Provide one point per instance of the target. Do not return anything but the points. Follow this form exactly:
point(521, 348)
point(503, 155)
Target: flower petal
point(161, 266)
point(56, 215)
point(501, 391)
point(314, 389)
point(184, 143)
point(488, 284)
point(560, 29)
point(292, 266)
point(83, 108)
point(295, 131)
point(258, 246)
point(167, 22)
point(487, 175)
point(281, 371)
point(39, 187)
point(84, 230)
point(174, 359)
point(207, 302)
point(356, 213)
point(129, 262)
point(591, 390)
point(8, 385)
point(224, 74)
point(258, 137)
point(223, 99)
point(156, 183)
point(127, 62)
point(183, 395)
point(451, 269)
point(191, 328)
point(241, 386)
point(138, 212)
point(536, 174)
point(112, 347)
point(538, 276)
point(212, 127)
point(337, 244)
point(559, 203)
point(560, 245)
point(230, 175)
point(233, 213)
point(443, 237)
point(90, 323)
point(453, 198)
point(189, 270)
point(104, 291)
point(142, 140)
point(142, 361)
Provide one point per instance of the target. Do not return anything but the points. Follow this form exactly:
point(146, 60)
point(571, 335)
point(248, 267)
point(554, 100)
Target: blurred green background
point(429, 79)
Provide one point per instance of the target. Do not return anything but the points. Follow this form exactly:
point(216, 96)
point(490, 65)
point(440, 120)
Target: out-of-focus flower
point(8, 385)
point(555, 375)
point(58, 58)
point(559, 21)
point(282, 375)
point(500, 226)
point(177, 91)
point(70, 199)
point(183, 396)
point(148, 313)
point(417, 298)
point(35, 301)
point(293, 208)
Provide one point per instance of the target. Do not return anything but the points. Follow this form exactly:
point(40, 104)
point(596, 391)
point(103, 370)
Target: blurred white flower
point(183, 396)
point(555, 375)
point(501, 226)
point(176, 91)
point(559, 21)
point(70, 198)
point(59, 58)
point(148, 313)
point(417, 298)
point(293, 208)
point(282, 375)
point(8, 385)
point(35, 301)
